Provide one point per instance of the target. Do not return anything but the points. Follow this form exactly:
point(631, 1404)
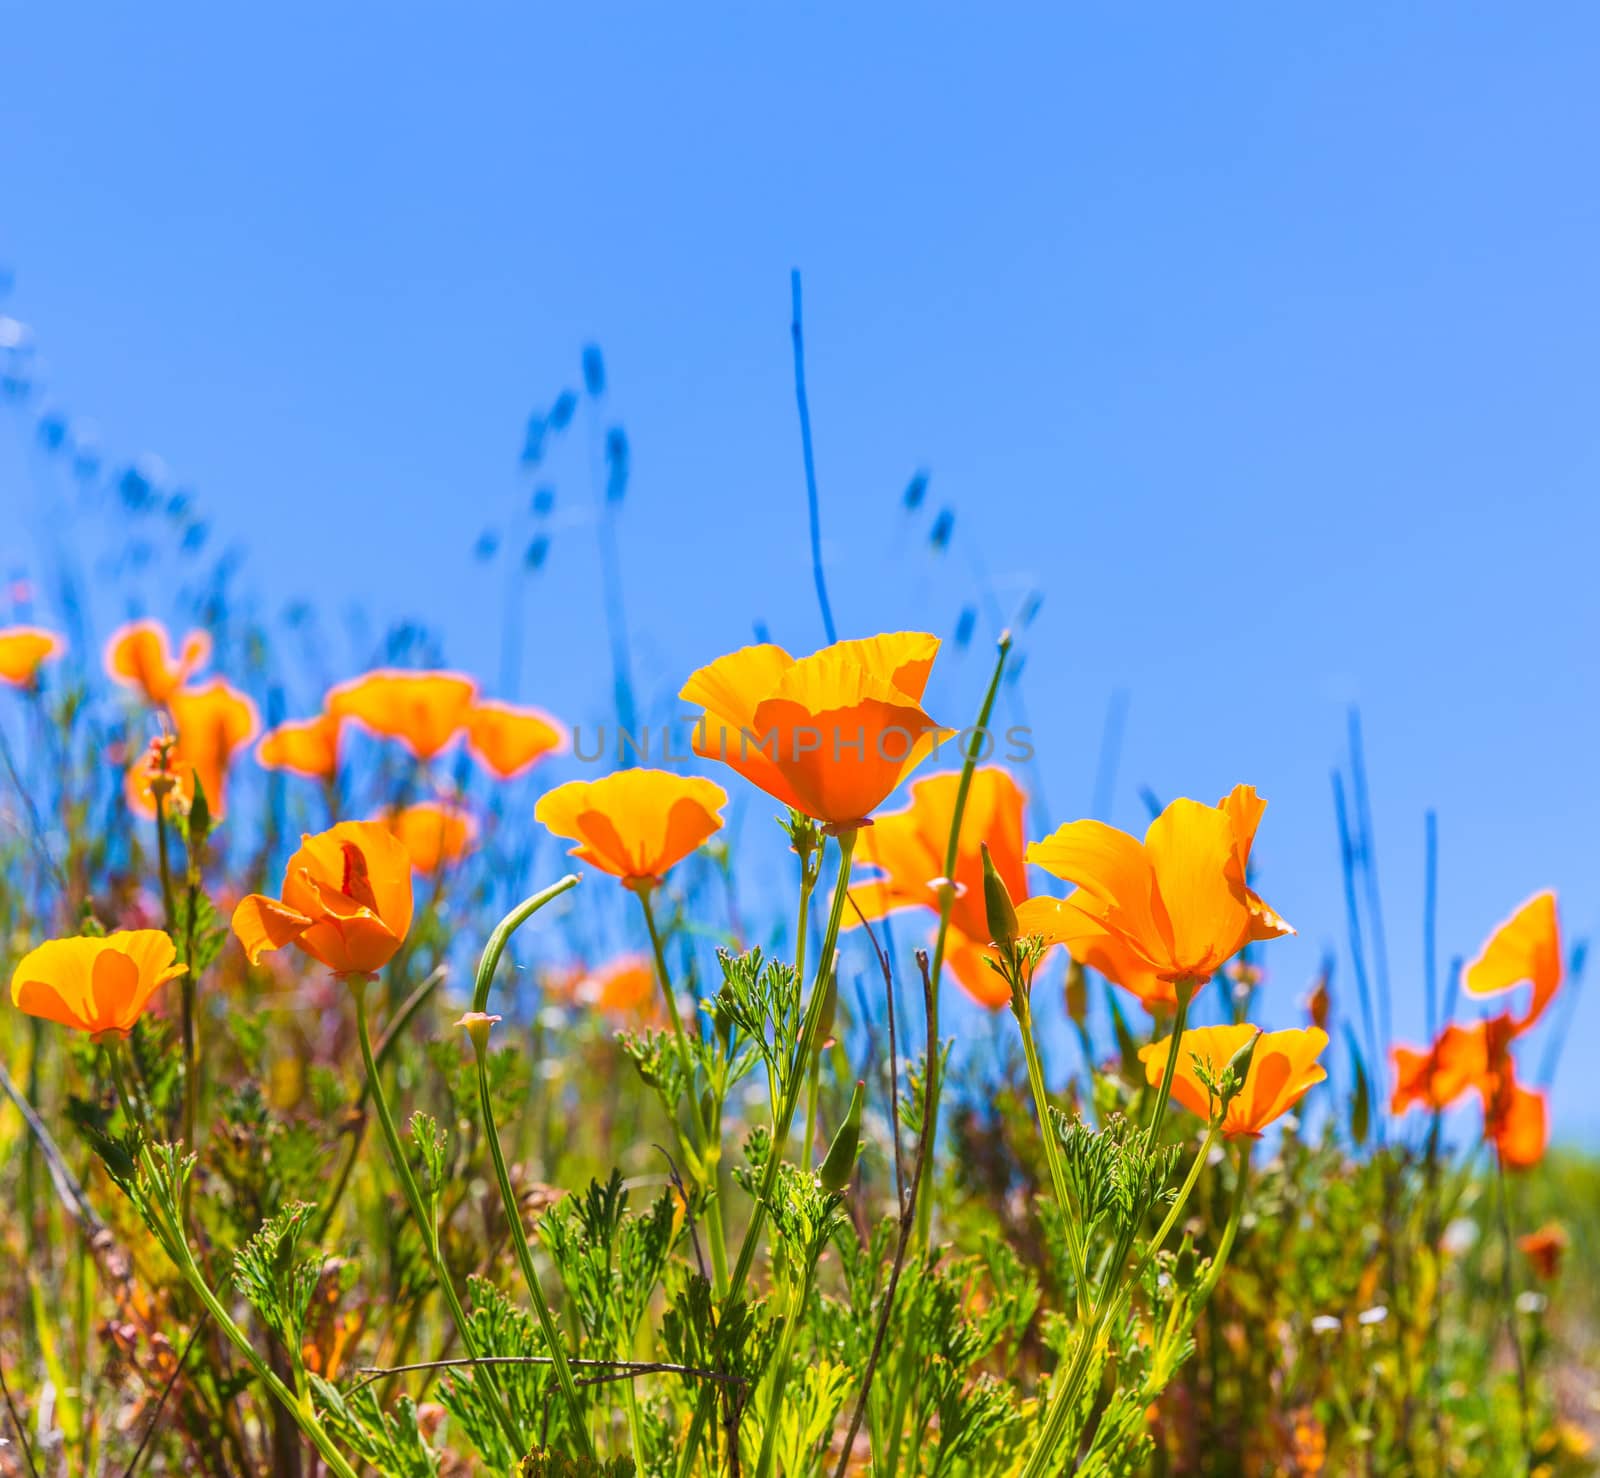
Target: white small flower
point(1325, 1324)
point(1375, 1315)
point(1459, 1236)
point(1532, 1302)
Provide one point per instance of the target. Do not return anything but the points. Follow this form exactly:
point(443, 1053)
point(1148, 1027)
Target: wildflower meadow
point(970, 860)
point(344, 1131)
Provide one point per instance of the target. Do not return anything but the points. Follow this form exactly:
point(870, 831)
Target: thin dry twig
point(166, 1390)
point(16, 1424)
point(688, 1210)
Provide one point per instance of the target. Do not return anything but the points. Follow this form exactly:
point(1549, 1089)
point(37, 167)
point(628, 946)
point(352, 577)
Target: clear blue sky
point(1261, 339)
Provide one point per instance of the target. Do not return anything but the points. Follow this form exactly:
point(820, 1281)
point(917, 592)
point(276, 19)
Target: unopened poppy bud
point(1238, 1070)
point(1002, 913)
point(1187, 1263)
point(836, 1169)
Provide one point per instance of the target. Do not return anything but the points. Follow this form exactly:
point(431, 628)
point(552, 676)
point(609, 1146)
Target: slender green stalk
point(808, 1140)
point(191, 1055)
point(519, 1241)
point(1508, 1289)
point(1065, 1397)
point(1064, 1400)
point(708, 1149)
point(780, 1377)
point(1219, 1259)
point(168, 1229)
point(1021, 1008)
point(808, 883)
point(782, 1121)
point(947, 900)
point(391, 1034)
point(425, 1223)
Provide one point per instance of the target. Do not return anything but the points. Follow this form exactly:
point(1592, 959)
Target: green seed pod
point(840, 1163)
point(1238, 1070)
point(1002, 913)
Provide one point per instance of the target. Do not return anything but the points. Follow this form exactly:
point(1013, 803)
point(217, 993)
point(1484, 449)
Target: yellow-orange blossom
point(830, 734)
point(98, 985)
point(1282, 1071)
point(346, 901)
point(1149, 914)
point(634, 824)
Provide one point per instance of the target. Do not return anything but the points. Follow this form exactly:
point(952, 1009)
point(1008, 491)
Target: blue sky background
point(1259, 339)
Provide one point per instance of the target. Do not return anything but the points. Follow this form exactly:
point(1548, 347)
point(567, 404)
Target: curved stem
point(425, 1225)
point(519, 1240)
point(168, 1230)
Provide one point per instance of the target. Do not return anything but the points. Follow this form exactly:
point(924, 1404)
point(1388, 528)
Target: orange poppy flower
point(435, 834)
point(507, 740)
point(1147, 915)
point(139, 655)
point(97, 986)
point(634, 824)
point(212, 723)
point(1282, 1071)
point(346, 901)
point(1527, 947)
point(1439, 1075)
point(424, 710)
point(1516, 1120)
point(23, 651)
point(1544, 1249)
point(308, 747)
point(625, 987)
point(830, 734)
point(908, 849)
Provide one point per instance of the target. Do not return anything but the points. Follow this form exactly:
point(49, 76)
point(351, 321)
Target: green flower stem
point(425, 1223)
point(519, 1240)
point(1185, 992)
point(808, 1139)
point(1064, 1399)
point(782, 1121)
point(1508, 1289)
point(187, 985)
point(707, 1148)
point(780, 1377)
point(167, 1226)
point(808, 882)
point(1219, 1260)
point(947, 900)
point(1022, 1009)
